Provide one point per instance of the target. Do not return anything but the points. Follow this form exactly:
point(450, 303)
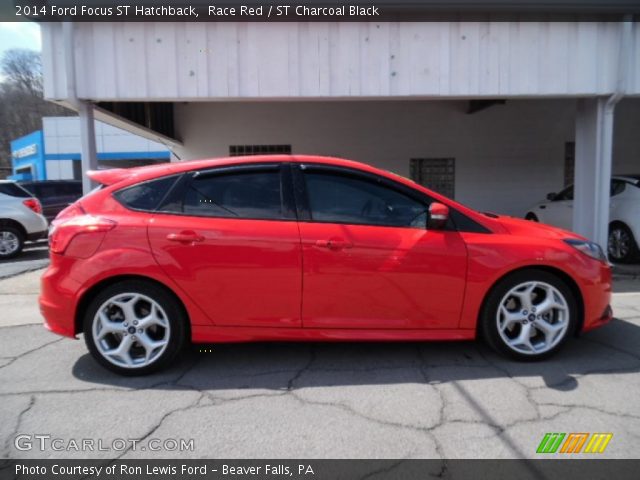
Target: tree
point(23, 69)
point(22, 105)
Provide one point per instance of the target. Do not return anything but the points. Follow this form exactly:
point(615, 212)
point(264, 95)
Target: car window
point(340, 198)
point(147, 195)
point(47, 190)
point(14, 190)
point(69, 189)
point(617, 187)
point(248, 194)
point(29, 187)
point(566, 194)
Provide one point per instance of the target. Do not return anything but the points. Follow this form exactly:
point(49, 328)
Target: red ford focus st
point(306, 248)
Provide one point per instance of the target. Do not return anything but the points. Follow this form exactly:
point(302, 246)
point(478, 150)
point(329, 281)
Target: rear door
point(369, 261)
point(229, 238)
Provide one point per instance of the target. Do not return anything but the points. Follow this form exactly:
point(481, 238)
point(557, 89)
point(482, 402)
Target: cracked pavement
point(340, 400)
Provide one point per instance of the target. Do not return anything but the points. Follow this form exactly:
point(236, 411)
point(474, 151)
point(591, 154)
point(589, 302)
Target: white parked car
point(624, 215)
point(20, 219)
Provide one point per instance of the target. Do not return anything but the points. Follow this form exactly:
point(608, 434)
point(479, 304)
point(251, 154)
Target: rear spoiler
point(109, 177)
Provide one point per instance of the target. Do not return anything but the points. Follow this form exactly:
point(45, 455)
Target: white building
point(492, 113)
point(53, 153)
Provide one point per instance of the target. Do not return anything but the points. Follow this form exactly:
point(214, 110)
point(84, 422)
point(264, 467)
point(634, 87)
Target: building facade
point(53, 153)
point(493, 113)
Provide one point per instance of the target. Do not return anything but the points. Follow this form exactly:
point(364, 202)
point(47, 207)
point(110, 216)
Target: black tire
point(15, 233)
point(173, 312)
point(531, 217)
point(621, 245)
point(488, 322)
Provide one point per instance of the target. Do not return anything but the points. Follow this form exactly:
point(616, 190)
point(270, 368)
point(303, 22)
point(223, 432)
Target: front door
point(370, 262)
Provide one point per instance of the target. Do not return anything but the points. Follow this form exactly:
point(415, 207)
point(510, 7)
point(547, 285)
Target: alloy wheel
point(9, 243)
point(532, 318)
point(131, 330)
point(619, 244)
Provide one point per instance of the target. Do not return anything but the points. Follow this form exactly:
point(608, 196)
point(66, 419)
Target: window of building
point(569, 162)
point(26, 170)
point(77, 169)
point(437, 174)
point(340, 198)
point(240, 150)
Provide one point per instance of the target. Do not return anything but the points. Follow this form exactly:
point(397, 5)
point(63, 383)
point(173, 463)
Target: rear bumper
point(34, 225)
point(32, 237)
point(57, 300)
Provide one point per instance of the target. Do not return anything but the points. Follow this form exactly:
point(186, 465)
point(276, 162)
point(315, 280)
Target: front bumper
point(597, 299)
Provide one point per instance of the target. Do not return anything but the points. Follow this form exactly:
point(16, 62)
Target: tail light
point(33, 204)
point(73, 221)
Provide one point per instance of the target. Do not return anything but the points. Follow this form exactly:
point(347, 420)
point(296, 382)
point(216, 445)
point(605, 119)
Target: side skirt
point(213, 334)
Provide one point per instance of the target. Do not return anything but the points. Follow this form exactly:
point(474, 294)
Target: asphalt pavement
point(34, 256)
point(343, 400)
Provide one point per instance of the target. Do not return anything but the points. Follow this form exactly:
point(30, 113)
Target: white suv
point(624, 215)
point(20, 219)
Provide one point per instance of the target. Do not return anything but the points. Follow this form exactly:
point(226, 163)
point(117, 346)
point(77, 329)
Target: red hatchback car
point(306, 248)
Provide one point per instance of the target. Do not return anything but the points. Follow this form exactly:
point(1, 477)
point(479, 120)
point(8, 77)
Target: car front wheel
point(529, 315)
point(134, 327)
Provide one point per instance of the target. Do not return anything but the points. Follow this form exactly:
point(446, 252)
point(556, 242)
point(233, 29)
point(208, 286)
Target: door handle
point(333, 244)
point(185, 237)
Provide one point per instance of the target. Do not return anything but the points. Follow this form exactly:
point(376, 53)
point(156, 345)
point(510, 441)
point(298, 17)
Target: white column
point(594, 140)
point(88, 155)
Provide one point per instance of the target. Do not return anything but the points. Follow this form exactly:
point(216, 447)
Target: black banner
point(314, 10)
point(582, 469)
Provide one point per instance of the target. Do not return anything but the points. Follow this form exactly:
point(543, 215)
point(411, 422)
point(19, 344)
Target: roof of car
point(131, 176)
point(111, 176)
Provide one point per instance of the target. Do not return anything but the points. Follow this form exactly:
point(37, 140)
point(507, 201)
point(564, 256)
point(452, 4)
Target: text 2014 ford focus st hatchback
point(306, 248)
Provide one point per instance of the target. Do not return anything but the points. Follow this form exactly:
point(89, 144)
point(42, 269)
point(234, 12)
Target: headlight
point(591, 249)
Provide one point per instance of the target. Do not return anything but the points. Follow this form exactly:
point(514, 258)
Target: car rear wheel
point(529, 315)
point(11, 242)
point(621, 245)
point(134, 328)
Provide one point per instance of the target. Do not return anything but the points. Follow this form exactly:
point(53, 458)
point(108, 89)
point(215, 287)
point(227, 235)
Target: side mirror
point(438, 216)
point(551, 196)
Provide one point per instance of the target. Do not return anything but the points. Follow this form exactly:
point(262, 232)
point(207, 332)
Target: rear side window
point(251, 194)
point(145, 196)
point(566, 194)
point(14, 190)
point(617, 187)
